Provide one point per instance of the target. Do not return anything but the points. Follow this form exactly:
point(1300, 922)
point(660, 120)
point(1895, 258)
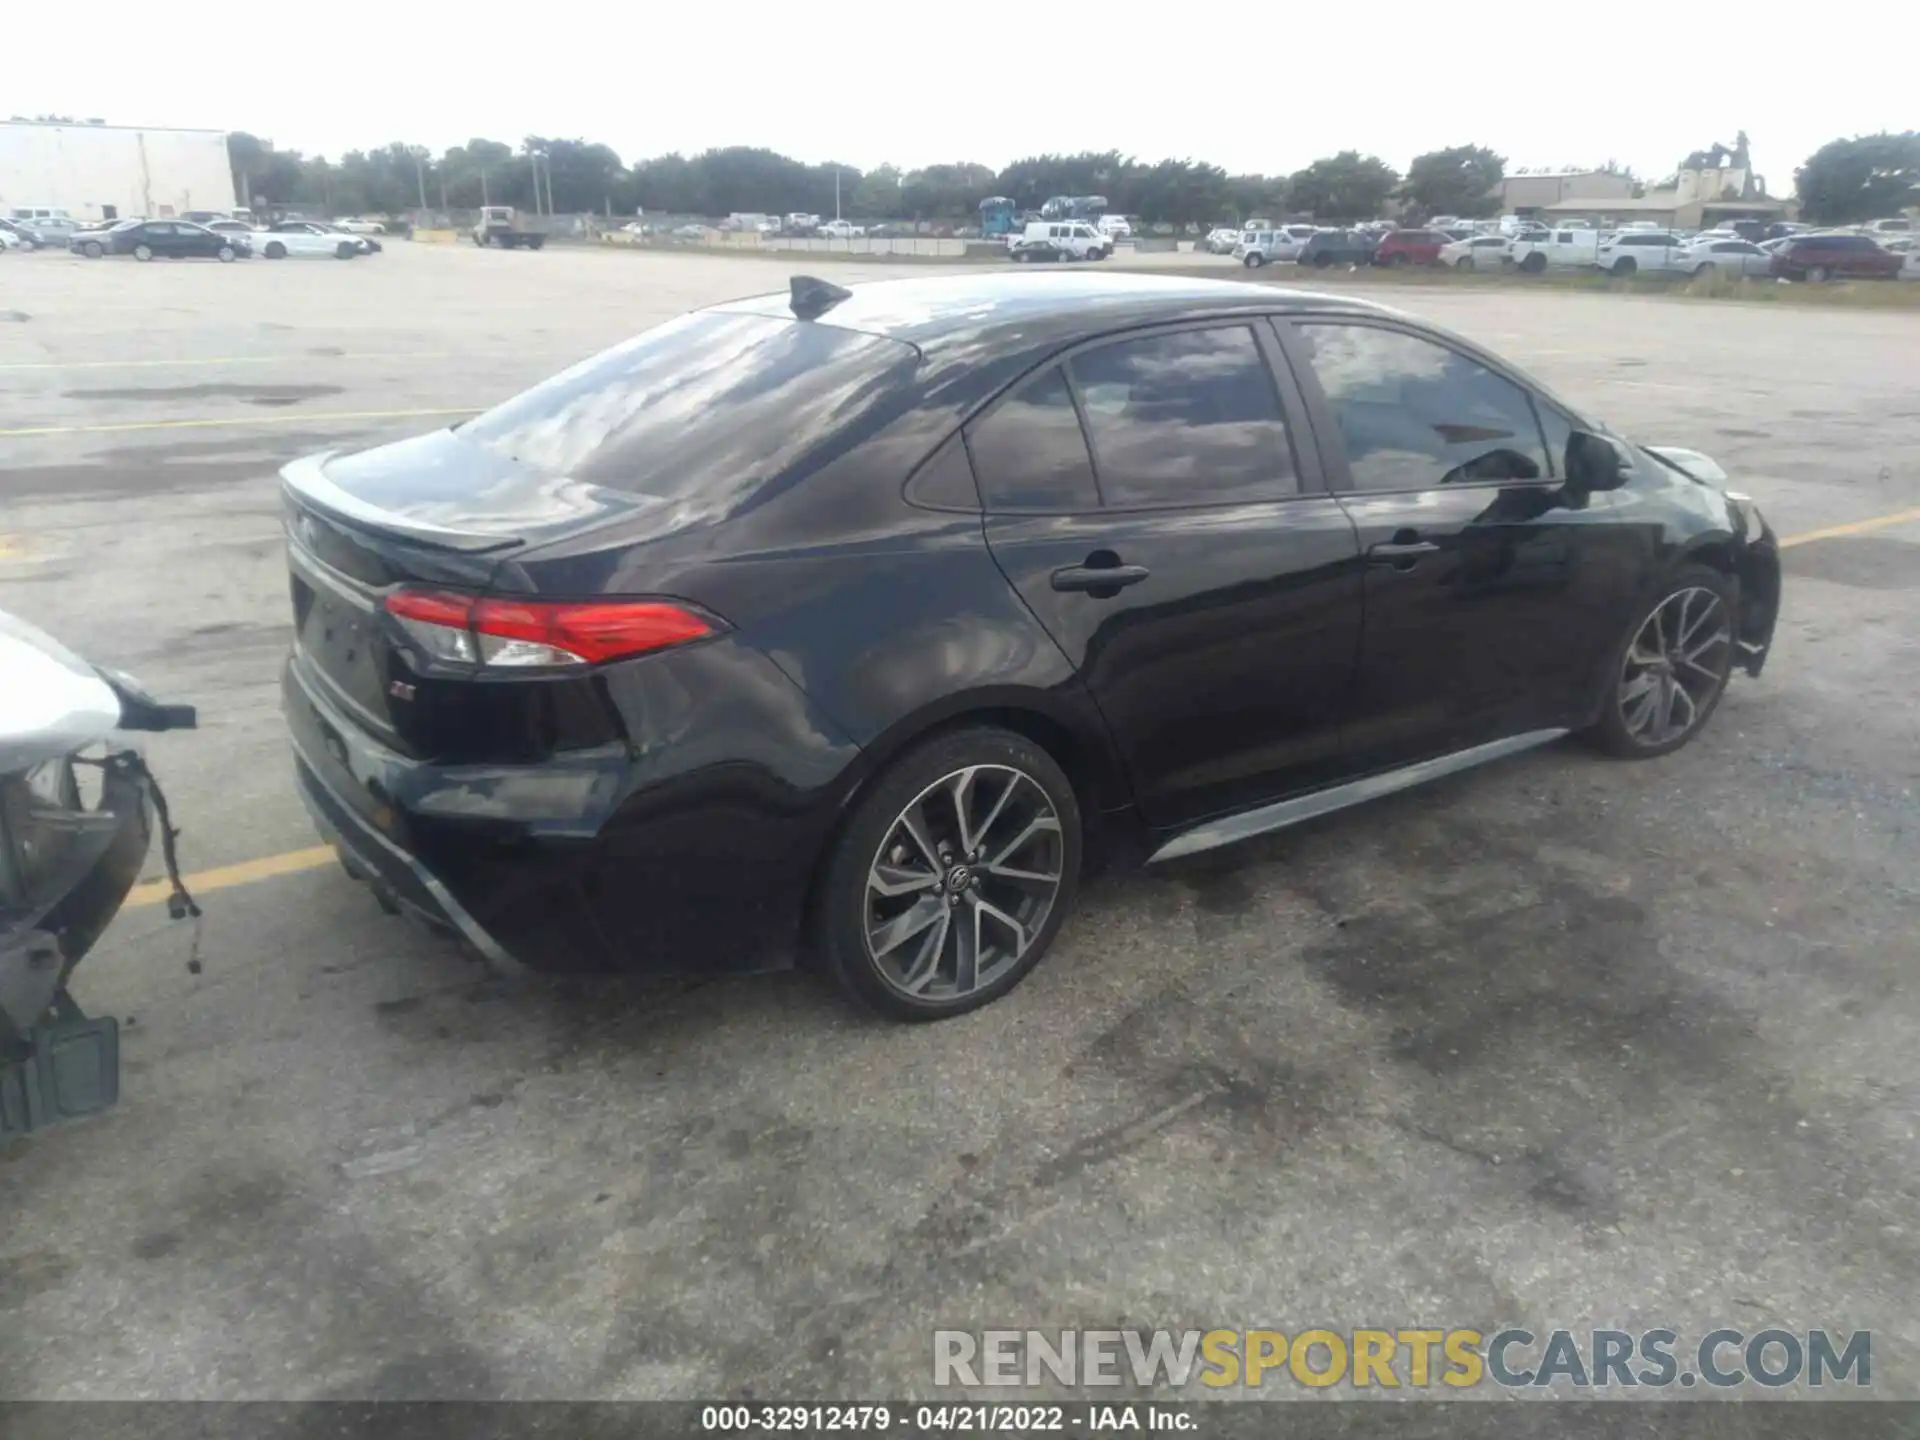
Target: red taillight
point(480, 630)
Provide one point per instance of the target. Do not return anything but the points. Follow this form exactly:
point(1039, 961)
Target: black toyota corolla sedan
point(844, 623)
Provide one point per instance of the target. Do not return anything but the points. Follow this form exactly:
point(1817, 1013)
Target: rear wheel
point(275, 250)
point(1534, 263)
point(1625, 265)
point(346, 250)
point(1819, 274)
point(1396, 259)
point(225, 254)
point(1668, 674)
point(1254, 262)
point(952, 877)
point(92, 250)
point(1465, 263)
point(1322, 260)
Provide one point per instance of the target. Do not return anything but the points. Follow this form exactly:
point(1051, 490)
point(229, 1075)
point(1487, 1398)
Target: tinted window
point(1029, 452)
point(1414, 414)
point(706, 405)
point(1188, 418)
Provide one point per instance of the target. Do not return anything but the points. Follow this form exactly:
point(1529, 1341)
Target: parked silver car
point(1718, 255)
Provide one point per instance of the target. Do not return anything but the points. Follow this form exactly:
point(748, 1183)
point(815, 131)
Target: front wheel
point(1322, 260)
point(1818, 274)
point(1625, 265)
point(224, 254)
point(1668, 674)
point(143, 252)
point(1254, 262)
point(952, 877)
point(1465, 263)
point(1534, 264)
point(92, 250)
point(275, 251)
point(345, 250)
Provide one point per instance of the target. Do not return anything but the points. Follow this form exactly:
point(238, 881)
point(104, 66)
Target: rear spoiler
point(306, 480)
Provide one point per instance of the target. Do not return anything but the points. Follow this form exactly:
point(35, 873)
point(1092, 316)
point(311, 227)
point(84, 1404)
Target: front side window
point(1189, 417)
point(1415, 415)
point(1029, 452)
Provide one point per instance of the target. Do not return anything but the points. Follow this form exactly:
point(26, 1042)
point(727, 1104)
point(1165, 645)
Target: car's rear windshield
point(703, 399)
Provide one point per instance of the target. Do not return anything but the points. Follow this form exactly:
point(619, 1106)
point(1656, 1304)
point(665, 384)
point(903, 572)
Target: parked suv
point(1337, 247)
point(1410, 247)
point(1823, 257)
point(1639, 252)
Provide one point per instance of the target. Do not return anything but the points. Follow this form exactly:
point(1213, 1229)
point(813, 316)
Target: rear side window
point(1189, 417)
point(707, 405)
point(1029, 452)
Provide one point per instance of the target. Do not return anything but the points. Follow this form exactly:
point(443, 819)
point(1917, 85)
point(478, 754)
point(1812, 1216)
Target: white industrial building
point(106, 172)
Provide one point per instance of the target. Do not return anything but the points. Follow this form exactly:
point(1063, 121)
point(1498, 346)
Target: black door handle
point(1400, 555)
point(1096, 578)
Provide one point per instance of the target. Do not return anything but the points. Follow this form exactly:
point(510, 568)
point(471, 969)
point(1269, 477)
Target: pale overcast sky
point(1266, 87)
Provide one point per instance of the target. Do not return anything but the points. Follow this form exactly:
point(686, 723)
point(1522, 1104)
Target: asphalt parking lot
point(1562, 1043)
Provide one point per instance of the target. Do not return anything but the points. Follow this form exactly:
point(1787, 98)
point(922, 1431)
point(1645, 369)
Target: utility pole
point(483, 187)
point(420, 173)
point(836, 192)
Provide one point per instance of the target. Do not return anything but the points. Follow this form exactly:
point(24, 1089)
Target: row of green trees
point(1845, 180)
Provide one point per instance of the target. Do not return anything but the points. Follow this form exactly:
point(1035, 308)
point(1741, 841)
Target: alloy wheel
point(963, 882)
point(1675, 666)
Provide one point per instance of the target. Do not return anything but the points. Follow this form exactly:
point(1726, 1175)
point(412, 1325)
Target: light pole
point(420, 153)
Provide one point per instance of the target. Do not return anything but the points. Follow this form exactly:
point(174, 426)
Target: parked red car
point(1824, 257)
point(1410, 247)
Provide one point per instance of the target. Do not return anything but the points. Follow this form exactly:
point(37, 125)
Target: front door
point(1490, 595)
point(1145, 499)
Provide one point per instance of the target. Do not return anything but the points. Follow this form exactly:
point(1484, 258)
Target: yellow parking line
point(291, 862)
point(283, 417)
point(1855, 527)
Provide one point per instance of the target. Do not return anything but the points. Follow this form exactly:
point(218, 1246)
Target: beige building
point(1528, 195)
point(1697, 198)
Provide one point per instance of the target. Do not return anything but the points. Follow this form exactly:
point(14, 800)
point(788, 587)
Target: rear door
point(1155, 504)
point(1489, 596)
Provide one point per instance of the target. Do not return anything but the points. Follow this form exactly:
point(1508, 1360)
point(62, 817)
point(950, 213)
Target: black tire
point(143, 252)
point(1322, 260)
point(346, 250)
point(1396, 259)
point(275, 250)
point(843, 900)
point(224, 254)
point(1818, 274)
point(536, 242)
point(93, 250)
point(1625, 265)
point(1465, 263)
point(1611, 733)
point(1254, 262)
point(1534, 263)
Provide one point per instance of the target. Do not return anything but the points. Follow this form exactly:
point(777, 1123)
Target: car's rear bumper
point(692, 853)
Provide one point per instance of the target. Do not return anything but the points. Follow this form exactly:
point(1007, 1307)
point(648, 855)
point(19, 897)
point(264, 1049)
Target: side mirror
point(1594, 463)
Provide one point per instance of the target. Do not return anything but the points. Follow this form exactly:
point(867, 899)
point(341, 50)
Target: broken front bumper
point(65, 869)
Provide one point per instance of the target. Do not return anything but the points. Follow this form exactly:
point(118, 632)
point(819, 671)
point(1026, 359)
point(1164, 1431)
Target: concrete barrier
point(438, 237)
